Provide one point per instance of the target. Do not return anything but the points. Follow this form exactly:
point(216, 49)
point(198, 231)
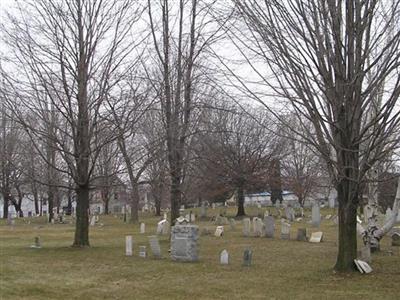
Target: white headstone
point(257, 227)
point(316, 237)
point(142, 228)
point(316, 216)
point(142, 251)
point(128, 245)
point(331, 202)
point(362, 266)
point(92, 220)
point(246, 226)
point(285, 230)
point(155, 246)
point(219, 231)
point(224, 257)
point(269, 224)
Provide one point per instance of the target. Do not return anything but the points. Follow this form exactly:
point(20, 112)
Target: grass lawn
point(280, 270)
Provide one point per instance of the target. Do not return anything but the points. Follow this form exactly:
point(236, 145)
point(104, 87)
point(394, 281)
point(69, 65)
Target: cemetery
point(272, 258)
point(199, 149)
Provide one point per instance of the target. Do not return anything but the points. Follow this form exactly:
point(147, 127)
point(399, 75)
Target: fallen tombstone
point(362, 266)
point(316, 237)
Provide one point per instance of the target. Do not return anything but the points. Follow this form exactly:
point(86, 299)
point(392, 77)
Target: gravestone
point(396, 239)
point(182, 221)
point(285, 230)
point(128, 245)
point(302, 234)
point(328, 217)
point(142, 228)
point(331, 202)
point(219, 231)
point(192, 217)
point(232, 223)
point(162, 227)
point(224, 257)
point(142, 251)
point(362, 266)
point(257, 227)
point(316, 216)
point(184, 243)
point(203, 210)
point(269, 226)
point(365, 254)
point(335, 220)
point(92, 220)
point(316, 237)
point(301, 212)
point(165, 216)
point(247, 256)
point(289, 212)
point(155, 246)
point(36, 245)
point(246, 226)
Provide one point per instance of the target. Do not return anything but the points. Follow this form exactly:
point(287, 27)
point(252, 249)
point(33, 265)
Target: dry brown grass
point(280, 270)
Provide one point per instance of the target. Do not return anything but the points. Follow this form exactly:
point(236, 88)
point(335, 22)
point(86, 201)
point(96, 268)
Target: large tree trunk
point(240, 202)
point(348, 189)
point(82, 217)
point(175, 196)
point(5, 205)
point(36, 200)
point(276, 182)
point(135, 203)
point(347, 252)
point(50, 203)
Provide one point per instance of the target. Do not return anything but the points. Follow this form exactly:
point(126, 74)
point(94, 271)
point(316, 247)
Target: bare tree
point(238, 149)
point(71, 55)
point(319, 53)
point(178, 49)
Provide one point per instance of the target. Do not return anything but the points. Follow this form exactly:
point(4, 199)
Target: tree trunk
point(69, 204)
point(5, 205)
point(106, 208)
point(36, 200)
point(82, 217)
point(175, 197)
point(50, 203)
point(240, 203)
point(157, 203)
point(135, 204)
point(347, 252)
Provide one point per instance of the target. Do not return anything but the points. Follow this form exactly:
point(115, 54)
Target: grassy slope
point(280, 270)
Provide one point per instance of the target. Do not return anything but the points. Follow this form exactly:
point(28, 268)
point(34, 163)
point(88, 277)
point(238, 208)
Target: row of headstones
point(266, 228)
point(154, 246)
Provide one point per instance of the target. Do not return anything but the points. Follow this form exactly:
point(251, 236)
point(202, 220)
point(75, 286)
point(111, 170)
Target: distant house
point(264, 199)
